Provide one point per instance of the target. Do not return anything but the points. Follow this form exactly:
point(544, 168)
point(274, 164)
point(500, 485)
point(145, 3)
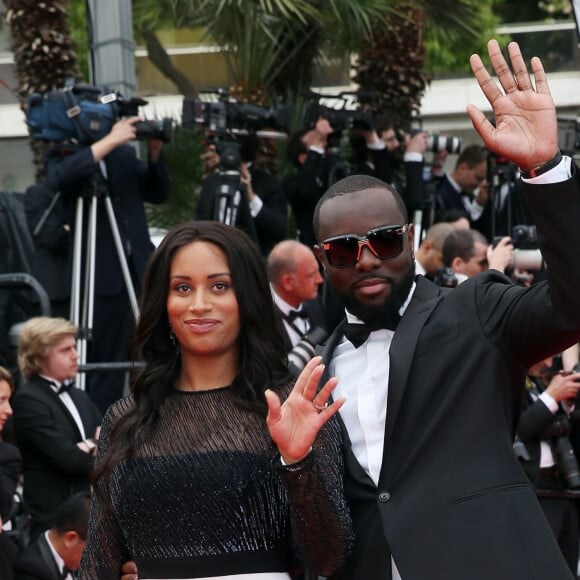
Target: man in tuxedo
point(467, 253)
point(56, 554)
point(56, 424)
point(457, 189)
point(294, 279)
point(434, 377)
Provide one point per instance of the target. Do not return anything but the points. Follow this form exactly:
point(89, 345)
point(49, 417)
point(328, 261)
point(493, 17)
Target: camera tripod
point(83, 319)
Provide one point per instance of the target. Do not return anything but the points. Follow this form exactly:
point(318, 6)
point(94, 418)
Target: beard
point(385, 315)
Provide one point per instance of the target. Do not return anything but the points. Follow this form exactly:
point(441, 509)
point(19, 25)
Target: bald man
point(294, 278)
point(429, 255)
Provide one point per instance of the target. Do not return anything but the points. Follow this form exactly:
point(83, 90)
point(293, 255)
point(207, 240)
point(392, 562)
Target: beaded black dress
point(208, 496)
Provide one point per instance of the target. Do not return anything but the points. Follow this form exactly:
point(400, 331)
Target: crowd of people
point(318, 404)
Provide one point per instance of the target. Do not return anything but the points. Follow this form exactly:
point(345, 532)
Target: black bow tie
point(294, 314)
point(358, 333)
point(65, 387)
point(65, 572)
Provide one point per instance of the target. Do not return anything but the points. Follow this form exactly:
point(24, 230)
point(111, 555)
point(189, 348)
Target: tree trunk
point(159, 57)
point(44, 54)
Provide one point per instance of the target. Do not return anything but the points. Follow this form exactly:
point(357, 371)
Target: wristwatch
point(537, 171)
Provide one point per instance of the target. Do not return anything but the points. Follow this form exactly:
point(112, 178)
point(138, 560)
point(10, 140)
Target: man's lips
point(371, 286)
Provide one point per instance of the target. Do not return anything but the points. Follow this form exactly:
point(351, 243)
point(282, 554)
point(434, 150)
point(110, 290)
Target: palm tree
point(44, 54)
point(391, 63)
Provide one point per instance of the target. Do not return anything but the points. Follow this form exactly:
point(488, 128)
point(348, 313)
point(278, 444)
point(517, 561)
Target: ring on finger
point(319, 408)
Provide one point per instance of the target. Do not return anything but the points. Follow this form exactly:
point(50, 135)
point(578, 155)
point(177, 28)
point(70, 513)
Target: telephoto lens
point(438, 143)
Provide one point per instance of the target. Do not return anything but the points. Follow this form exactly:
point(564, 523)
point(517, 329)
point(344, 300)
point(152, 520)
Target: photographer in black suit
point(547, 456)
point(110, 167)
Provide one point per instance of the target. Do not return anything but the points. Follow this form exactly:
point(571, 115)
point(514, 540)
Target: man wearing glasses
point(434, 377)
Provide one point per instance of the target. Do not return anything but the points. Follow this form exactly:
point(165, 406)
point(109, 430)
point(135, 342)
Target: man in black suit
point(295, 278)
point(56, 554)
point(56, 424)
point(456, 190)
point(110, 167)
point(307, 151)
point(434, 377)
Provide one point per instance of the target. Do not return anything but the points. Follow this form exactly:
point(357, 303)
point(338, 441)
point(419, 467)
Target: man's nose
point(367, 259)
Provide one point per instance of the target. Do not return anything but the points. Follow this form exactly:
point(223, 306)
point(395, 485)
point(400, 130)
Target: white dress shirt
point(299, 326)
point(364, 381)
point(68, 403)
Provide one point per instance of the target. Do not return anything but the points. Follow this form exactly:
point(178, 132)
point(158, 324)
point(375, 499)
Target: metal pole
point(111, 45)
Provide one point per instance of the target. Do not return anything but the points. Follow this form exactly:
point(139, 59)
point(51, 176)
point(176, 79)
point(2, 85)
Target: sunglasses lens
point(342, 252)
point(387, 243)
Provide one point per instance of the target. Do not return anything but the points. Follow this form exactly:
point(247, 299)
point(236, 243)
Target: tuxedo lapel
point(56, 400)
point(424, 300)
point(356, 472)
point(48, 559)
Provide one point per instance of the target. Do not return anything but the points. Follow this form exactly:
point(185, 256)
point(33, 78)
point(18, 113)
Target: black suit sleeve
point(534, 421)
point(37, 428)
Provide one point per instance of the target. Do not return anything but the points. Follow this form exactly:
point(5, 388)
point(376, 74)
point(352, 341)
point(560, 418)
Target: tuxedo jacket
point(452, 501)
point(131, 182)
point(54, 468)
point(37, 562)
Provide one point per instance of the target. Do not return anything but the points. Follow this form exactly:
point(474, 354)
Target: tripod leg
point(75, 297)
point(122, 258)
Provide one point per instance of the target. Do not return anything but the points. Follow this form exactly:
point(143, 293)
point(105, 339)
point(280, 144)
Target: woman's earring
point(172, 337)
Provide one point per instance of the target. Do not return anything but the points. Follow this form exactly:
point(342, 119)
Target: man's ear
point(71, 538)
point(287, 282)
point(457, 265)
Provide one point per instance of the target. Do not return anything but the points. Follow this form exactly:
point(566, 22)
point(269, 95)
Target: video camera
point(85, 113)
point(345, 110)
point(220, 114)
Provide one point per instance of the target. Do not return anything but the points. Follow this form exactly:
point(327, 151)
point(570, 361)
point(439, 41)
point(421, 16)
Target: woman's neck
point(202, 373)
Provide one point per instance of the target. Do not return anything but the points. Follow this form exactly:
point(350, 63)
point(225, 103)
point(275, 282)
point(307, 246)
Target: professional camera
point(85, 113)
point(435, 143)
point(343, 111)
point(526, 255)
point(445, 277)
point(564, 456)
point(221, 114)
point(438, 143)
point(303, 351)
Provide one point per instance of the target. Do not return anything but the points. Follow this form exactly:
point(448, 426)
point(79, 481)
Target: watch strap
point(537, 171)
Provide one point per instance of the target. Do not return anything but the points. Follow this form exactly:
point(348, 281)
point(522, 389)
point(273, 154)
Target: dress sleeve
point(318, 507)
point(105, 550)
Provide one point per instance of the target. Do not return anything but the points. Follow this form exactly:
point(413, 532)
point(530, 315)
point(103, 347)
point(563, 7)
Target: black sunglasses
point(384, 242)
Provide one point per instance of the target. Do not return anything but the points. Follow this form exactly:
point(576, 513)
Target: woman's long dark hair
point(262, 358)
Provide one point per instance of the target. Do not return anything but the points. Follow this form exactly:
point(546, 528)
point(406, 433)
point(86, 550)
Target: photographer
point(307, 151)
point(262, 206)
point(547, 456)
point(110, 167)
point(407, 164)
